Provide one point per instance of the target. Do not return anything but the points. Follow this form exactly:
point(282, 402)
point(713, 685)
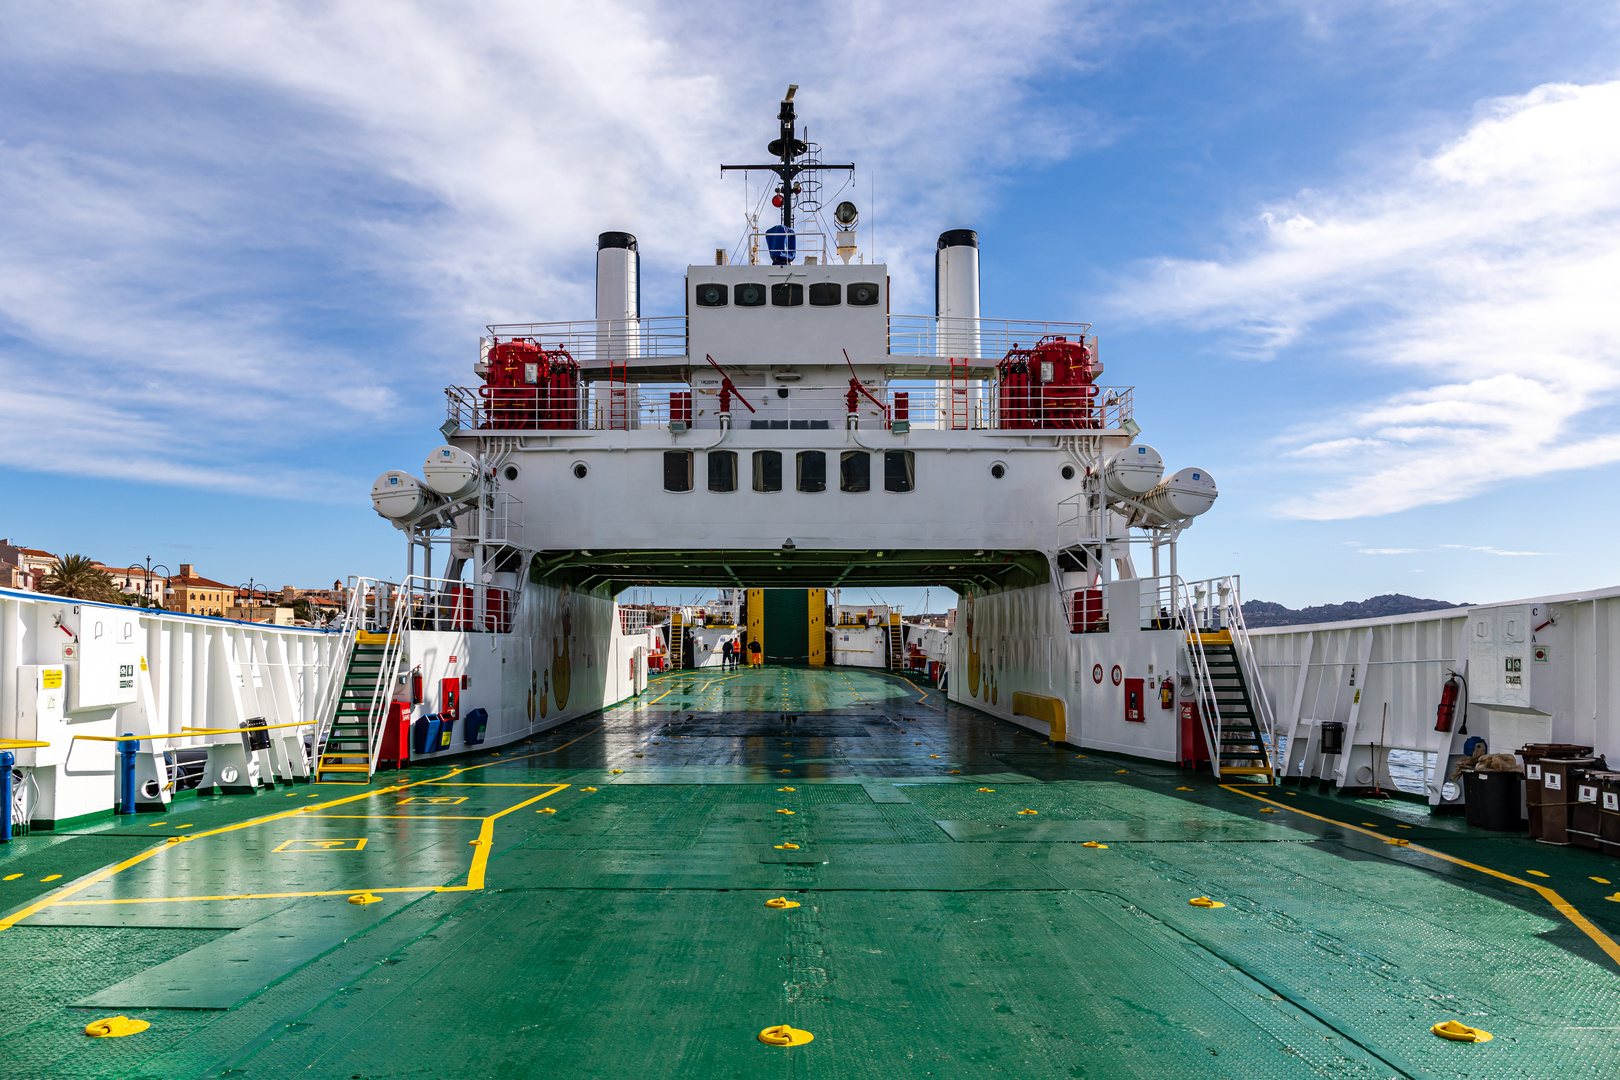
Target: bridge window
point(722, 470)
point(787, 294)
point(767, 470)
point(863, 294)
point(899, 470)
point(824, 294)
point(677, 470)
point(711, 295)
point(812, 470)
point(750, 294)
point(855, 471)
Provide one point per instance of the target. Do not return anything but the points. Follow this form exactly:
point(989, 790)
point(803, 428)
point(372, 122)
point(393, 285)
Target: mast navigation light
point(846, 214)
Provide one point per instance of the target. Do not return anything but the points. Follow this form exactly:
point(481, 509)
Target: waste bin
point(473, 732)
point(447, 727)
point(1609, 812)
point(1558, 795)
point(425, 734)
point(1585, 814)
point(1492, 799)
point(1533, 754)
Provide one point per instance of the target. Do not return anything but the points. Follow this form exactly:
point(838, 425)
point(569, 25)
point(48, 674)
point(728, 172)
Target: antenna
point(787, 147)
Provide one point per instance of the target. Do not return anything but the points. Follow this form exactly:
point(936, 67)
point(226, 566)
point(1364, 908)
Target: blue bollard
point(7, 760)
point(126, 770)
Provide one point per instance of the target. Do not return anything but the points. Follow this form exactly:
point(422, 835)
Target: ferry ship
point(502, 822)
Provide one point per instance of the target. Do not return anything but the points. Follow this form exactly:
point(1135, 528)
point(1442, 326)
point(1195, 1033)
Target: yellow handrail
point(184, 733)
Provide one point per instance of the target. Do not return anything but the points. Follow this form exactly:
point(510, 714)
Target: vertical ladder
point(897, 642)
point(1240, 749)
point(345, 756)
point(961, 417)
point(677, 641)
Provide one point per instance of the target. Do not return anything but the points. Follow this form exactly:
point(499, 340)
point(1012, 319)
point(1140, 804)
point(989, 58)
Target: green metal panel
point(787, 626)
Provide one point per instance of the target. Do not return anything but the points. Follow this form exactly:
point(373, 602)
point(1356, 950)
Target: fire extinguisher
point(1447, 712)
point(416, 687)
point(1166, 694)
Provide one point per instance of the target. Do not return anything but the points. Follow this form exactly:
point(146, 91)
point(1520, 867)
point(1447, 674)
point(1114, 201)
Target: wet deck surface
point(592, 903)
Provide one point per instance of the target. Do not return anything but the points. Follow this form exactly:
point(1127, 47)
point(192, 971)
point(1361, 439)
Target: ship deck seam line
point(1563, 907)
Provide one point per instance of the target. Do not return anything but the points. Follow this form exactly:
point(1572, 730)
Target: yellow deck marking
point(237, 896)
point(288, 847)
point(434, 800)
point(1563, 907)
point(470, 783)
point(103, 874)
point(397, 817)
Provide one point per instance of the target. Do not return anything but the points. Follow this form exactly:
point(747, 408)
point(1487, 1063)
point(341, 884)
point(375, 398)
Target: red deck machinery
point(1049, 386)
point(528, 386)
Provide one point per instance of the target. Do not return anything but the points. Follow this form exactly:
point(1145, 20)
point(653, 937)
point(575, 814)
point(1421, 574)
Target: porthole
point(1068, 472)
point(824, 294)
point(781, 391)
point(998, 470)
point(511, 472)
point(749, 294)
point(711, 295)
point(787, 294)
point(580, 470)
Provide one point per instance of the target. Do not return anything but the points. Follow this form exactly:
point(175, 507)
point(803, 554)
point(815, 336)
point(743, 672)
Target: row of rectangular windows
point(786, 294)
point(809, 470)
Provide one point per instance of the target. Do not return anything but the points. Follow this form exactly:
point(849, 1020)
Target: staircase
point(345, 757)
point(352, 713)
point(1232, 706)
point(897, 643)
point(1241, 751)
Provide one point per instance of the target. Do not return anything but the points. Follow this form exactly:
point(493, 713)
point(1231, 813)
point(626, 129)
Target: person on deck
point(725, 653)
point(754, 658)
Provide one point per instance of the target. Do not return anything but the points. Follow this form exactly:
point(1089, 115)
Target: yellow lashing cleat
point(117, 1026)
point(781, 902)
point(783, 1035)
point(1205, 902)
point(1459, 1032)
point(364, 898)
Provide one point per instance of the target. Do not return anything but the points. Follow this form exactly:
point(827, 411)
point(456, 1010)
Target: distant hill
point(1261, 613)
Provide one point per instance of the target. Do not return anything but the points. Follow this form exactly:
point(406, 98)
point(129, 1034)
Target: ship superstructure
point(790, 430)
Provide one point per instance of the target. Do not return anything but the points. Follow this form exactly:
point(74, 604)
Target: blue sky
point(1360, 260)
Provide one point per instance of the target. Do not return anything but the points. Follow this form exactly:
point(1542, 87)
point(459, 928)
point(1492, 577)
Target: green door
point(787, 626)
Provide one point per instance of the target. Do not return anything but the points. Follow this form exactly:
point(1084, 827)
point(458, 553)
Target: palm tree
point(77, 576)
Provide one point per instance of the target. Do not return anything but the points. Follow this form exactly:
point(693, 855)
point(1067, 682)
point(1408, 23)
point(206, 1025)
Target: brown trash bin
point(1533, 753)
point(1558, 795)
point(1585, 817)
point(1609, 812)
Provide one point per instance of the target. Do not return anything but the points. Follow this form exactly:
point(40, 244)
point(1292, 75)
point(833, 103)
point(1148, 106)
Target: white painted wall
point(181, 670)
point(1383, 678)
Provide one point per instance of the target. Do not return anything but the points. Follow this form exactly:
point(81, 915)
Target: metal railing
point(986, 340)
point(935, 406)
point(471, 607)
point(603, 341)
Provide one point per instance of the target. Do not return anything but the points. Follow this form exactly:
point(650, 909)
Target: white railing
point(931, 406)
point(332, 691)
point(987, 340)
point(469, 607)
point(603, 341)
point(382, 693)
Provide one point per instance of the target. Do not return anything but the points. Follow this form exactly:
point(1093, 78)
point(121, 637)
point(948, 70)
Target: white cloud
point(1484, 277)
point(245, 228)
point(1491, 550)
point(1386, 551)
